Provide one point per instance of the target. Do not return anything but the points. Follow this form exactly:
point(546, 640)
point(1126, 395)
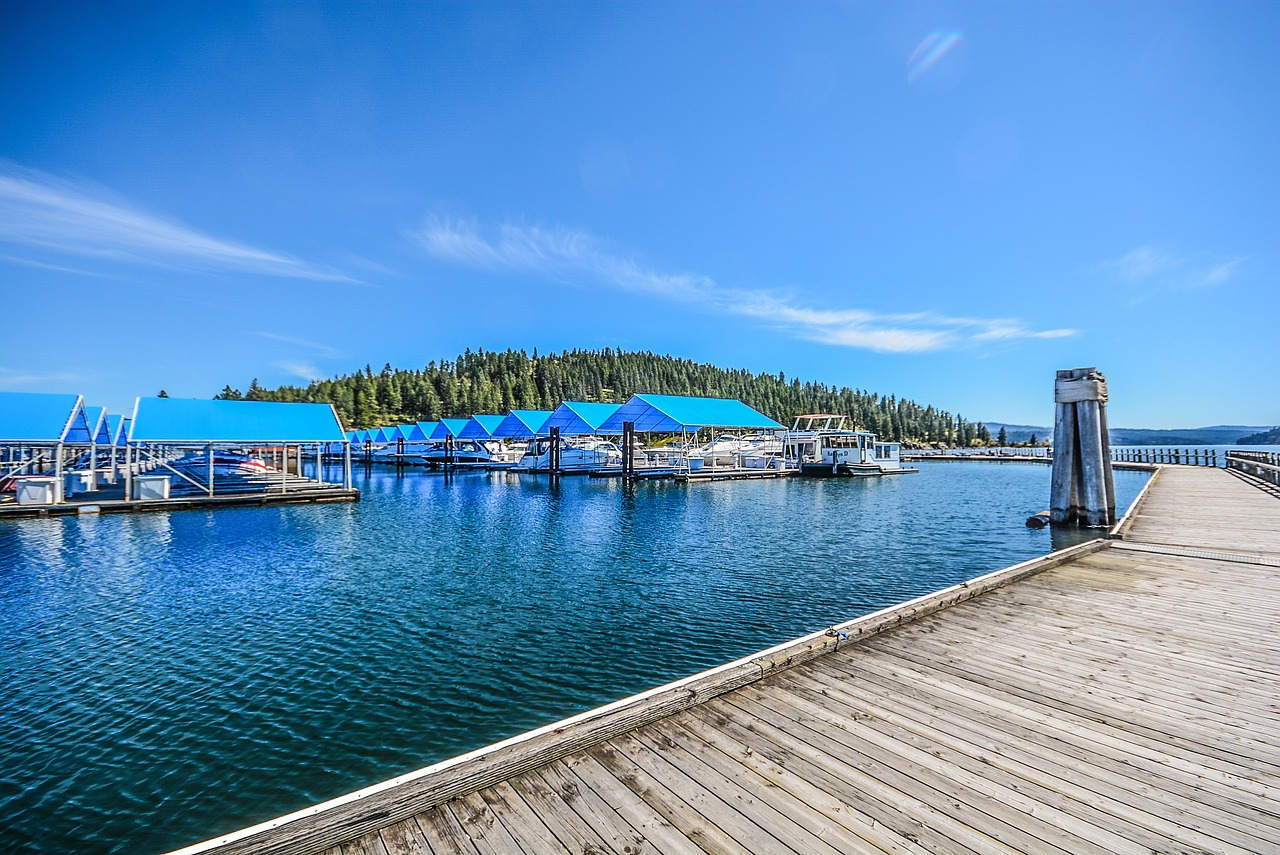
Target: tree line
point(492, 382)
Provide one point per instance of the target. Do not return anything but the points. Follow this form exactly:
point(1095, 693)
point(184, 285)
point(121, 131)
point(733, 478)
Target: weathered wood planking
point(1120, 701)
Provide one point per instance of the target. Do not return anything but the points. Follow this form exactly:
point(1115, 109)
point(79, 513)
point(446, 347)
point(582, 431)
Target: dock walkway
point(1119, 698)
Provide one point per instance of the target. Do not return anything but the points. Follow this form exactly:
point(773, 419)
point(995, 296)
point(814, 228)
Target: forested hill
point(484, 382)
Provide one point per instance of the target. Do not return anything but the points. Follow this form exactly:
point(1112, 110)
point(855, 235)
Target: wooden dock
point(1118, 697)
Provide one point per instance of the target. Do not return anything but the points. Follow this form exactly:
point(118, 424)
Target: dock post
point(553, 454)
point(628, 461)
point(448, 452)
point(1083, 489)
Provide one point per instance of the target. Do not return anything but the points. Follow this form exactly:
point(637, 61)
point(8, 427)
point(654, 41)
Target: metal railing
point(1177, 456)
point(1264, 465)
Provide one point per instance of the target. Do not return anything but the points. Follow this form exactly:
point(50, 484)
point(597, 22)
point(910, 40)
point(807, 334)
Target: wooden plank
point(999, 811)
point(443, 831)
point(674, 808)
point(876, 836)
point(1242, 756)
point(525, 827)
point(1127, 807)
point(656, 829)
point(881, 803)
point(1065, 726)
point(788, 821)
point(486, 832)
point(740, 818)
point(1068, 748)
point(618, 834)
point(370, 844)
point(406, 838)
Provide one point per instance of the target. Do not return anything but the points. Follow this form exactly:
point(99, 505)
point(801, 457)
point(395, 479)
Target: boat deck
point(1118, 698)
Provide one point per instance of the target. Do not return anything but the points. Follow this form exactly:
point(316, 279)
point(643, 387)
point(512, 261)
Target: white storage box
point(37, 490)
point(150, 487)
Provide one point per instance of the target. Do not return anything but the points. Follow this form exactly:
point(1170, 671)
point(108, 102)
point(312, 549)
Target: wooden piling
point(1082, 489)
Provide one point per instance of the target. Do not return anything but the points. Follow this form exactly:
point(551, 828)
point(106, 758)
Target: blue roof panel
point(522, 424)
point(576, 418)
point(677, 414)
point(480, 427)
point(192, 420)
point(42, 418)
point(448, 427)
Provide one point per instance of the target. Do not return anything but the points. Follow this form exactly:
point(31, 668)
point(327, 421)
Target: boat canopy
point(97, 420)
point(177, 421)
point(38, 418)
point(678, 414)
point(577, 418)
point(382, 436)
point(448, 427)
point(118, 429)
point(480, 427)
point(521, 424)
point(422, 431)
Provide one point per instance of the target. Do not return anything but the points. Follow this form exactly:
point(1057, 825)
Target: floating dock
point(107, 501)
point(1115, 697)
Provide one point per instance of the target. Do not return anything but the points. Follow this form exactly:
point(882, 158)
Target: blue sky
point(942, 201)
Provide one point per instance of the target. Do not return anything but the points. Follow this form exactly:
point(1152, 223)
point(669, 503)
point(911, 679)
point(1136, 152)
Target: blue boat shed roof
point(422, 431)
point(522, 424)
point(678, 414)
point(118, 429)
point(480, 427)
point(97, 420)
point(193, 420)
point(448, 427)
point(42, 418)
point(381, 436)
point(578, 418)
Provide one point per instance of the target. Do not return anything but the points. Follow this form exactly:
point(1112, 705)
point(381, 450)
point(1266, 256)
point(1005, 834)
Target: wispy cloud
point(573, 257)
point(1155, 269)
point(930, 53)
point(316, 347)
point(16, 378)
point(301, 370)
point(46, 213)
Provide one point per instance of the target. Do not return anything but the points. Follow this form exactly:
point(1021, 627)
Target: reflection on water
point(172, 676)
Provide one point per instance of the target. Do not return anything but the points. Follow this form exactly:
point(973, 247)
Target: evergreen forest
point(491, 382)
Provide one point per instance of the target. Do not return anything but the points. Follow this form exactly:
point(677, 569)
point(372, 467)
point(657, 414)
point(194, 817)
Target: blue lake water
point(168, 677)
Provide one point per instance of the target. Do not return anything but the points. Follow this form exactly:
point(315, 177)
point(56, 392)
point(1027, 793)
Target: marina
point(1090, 701)
point(220, 668)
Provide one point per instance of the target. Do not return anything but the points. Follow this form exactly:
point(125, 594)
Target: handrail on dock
point(1263, 465)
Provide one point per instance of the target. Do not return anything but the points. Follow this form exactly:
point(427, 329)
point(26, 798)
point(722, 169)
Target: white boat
point(464, 451)
point(822, 445)
point(225, 464)
point(750, 450)
point(577, 454)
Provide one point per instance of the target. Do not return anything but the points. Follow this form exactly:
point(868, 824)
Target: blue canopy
point(480, 427)
point(576, 418)
point(448, 427)
point(118, 429)
point(522, 424)
point(96, 418)
point(422, 431)
point(42, 418)
point(677, 414)
point(381, 436)
point(193, 420)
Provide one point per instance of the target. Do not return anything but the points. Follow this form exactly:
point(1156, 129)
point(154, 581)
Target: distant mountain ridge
point(1213, 435)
